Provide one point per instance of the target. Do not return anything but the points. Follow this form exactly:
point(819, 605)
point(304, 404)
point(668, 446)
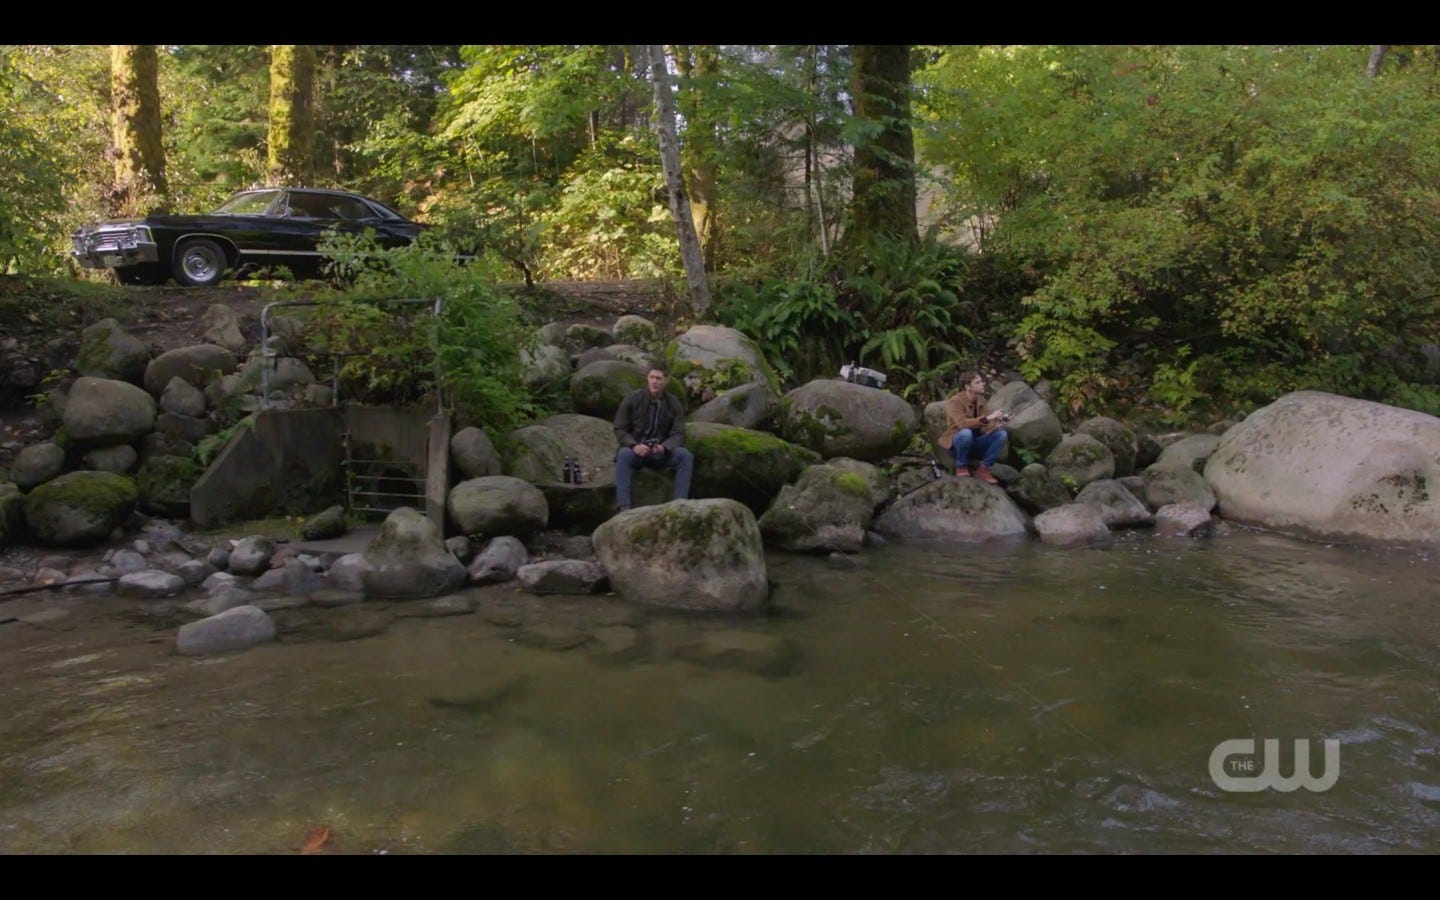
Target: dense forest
point(1183, 230)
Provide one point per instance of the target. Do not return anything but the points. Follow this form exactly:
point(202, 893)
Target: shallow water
point(1031, 700)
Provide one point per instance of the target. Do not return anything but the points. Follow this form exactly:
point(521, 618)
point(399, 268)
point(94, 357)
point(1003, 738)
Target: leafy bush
point(398, 353)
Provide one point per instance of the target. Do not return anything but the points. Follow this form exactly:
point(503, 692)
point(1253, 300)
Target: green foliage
point(799, 325)
point(210, 445)
point(907, 297)
point(398, 353)
point(612, 219)
point(52, 140)
point(1271, 207)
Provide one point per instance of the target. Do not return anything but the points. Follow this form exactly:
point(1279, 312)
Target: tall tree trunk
point(1377, 57)
point(699, 65)
point(814, 183)
point(690, 254)
point(883, 203)
point(292, 117)
point(139, 157)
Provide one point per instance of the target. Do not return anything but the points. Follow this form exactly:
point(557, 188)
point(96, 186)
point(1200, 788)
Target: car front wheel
point(199, 263)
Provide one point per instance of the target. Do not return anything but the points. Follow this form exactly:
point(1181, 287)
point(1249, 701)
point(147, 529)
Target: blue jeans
point(967, 444)
point(626, 462)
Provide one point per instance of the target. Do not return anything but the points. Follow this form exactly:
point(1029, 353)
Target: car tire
point(143, 274)
point(199, 263)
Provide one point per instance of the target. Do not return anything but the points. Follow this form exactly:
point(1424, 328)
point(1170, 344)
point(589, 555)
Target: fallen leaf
point(316, 839)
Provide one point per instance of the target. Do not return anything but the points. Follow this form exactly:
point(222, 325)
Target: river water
point(1023, 699)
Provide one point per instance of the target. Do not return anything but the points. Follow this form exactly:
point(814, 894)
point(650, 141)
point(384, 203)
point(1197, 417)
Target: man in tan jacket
point(973, 433)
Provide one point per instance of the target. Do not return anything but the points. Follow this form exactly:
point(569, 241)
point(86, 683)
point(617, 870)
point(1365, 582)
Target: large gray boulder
point(560, 576)
point(752, 405)
point(198, 364)
point(535, 454)
point(238, 628)
point(686, 554)
point(79, 507)
point(1190, 452)
point(1071, 525)
point(597, 389)
point(474, 453)
point(544, 367)
point(1117, 506)
point(182, 398)
point(408, 559)
point(1080, 459)
point(222, 327)
point(638, 330)
point(120, 458)
point(1176, 484)
point(955, 510)
point(717, 357)
point(828, 509)
point(107, 350)
point(499, 561)
point(1333, 467)
point(1036, 489)
point(497, 504)
point(37, 464)
point(1124, 446)
point(102, 412)
point(837, 418)
point(588, 440)
point(1033, 425)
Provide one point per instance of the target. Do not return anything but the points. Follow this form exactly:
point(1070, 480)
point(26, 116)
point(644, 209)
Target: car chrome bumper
point(111, 249)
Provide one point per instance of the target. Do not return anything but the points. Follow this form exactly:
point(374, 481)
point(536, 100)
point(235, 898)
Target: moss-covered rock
point(838, 418)
point(598, 389)
point(686, 554)
point(827, 509)
point(164, 484)
point(743, 464)
point(80, 507)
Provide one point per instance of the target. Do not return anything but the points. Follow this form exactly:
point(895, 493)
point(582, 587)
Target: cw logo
point(1235, 755)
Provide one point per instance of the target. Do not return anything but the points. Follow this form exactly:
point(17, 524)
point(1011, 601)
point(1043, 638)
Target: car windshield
point(247, 203)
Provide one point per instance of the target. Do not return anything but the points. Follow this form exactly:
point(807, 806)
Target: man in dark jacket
point(650, 425)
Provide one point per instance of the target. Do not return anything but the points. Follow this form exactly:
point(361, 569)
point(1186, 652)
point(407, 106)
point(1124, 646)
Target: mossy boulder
point(637, 330)
point(954, 510)
point(752, 405)
point(198, 364)
point(164, 484)
point(107, 350)
point(1124, 446)
point(711, 359)
point(80, 507)
point(597, 389)
point(545, 367)
point(1033, 425)
point(580, 337)
point(1080, 459)
point(497, 505)
point(743, 464)
point(1036, 489)
point(838, 418)
point(702, 555)
point(827, 509)
point(408, 559)
point(327, 524)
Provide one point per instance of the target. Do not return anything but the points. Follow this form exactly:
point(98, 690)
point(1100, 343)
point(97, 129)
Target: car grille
point(111, 239)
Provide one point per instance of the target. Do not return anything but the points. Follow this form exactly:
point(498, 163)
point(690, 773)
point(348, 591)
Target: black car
point(264, 227)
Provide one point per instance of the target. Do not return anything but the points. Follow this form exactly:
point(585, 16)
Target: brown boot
point(962, 471)
point(982, 472)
